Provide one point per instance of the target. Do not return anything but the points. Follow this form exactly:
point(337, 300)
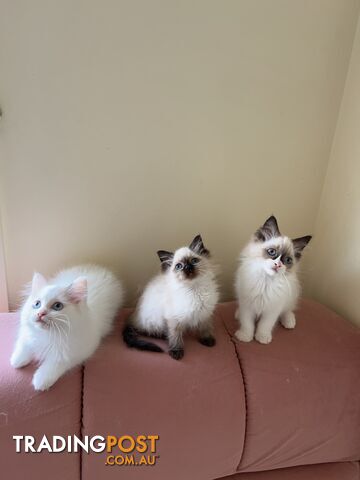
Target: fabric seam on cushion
point(245, 393)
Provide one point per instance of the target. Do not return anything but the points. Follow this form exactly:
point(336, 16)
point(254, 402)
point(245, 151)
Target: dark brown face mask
point(189, 269)
point(187, 265)
point(270, 229)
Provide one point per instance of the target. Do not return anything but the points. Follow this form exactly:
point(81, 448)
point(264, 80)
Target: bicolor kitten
point(266, 283)
point(183, 297)
point(63, 320)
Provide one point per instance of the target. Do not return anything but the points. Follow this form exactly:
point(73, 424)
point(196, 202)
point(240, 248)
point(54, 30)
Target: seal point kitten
point(183, 297)
point(266, 284)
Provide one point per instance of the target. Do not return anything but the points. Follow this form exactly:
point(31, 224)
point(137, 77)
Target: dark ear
point(166, 259)
point(198, 247)
point(300, 243)
point(269, 230)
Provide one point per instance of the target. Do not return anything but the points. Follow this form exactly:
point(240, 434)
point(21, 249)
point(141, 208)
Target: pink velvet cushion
point(326, 471)
point(195, 405)
point(26, 412)
point(302, 391)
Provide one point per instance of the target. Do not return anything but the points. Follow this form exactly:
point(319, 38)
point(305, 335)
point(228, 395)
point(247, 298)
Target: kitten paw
point(288, 320)
point(19, 361)
point(177, 354)
point(208, 341)
point(244, 336)
point(42, 383)
point(263, 337)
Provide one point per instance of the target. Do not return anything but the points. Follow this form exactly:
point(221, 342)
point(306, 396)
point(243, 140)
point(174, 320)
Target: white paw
point(263, 337)
point(41, 382)
point(244, 336)
point(19, 361)
point(288, 321)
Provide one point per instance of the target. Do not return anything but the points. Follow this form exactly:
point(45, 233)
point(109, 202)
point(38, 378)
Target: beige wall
point(4, 302)
point(131, 126)
point(334, 263)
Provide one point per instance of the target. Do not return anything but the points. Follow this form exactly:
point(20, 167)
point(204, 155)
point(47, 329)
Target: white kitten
point(182, 298)
point(64, 319)
point(266, 283)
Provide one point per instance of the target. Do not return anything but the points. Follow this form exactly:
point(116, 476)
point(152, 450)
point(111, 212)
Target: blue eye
point(57, 306)
point(37, 304)
point(271, 252)
point(195, 261)
point(178, 266)
point(288, 260)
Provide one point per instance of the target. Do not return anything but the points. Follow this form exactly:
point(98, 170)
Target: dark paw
point(207, 341)
point(176, 354)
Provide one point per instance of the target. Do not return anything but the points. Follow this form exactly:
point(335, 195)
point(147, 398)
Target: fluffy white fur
point(267, 289)
point(173, 303)
point(61, 339)
point(168, 299)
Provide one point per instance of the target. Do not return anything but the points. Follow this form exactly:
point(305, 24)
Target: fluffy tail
point(132, 340)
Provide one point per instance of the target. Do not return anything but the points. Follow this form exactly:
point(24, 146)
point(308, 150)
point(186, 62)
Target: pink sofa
point(286, 411)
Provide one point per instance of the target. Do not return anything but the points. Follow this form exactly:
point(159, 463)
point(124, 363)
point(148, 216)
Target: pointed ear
point(300, 243)
point(198, 247)
point(38, 283)
point(77, 290)
point(166, 259)
point(269, 230)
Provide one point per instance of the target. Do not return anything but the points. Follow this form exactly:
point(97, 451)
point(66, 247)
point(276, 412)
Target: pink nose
point(41, 315)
